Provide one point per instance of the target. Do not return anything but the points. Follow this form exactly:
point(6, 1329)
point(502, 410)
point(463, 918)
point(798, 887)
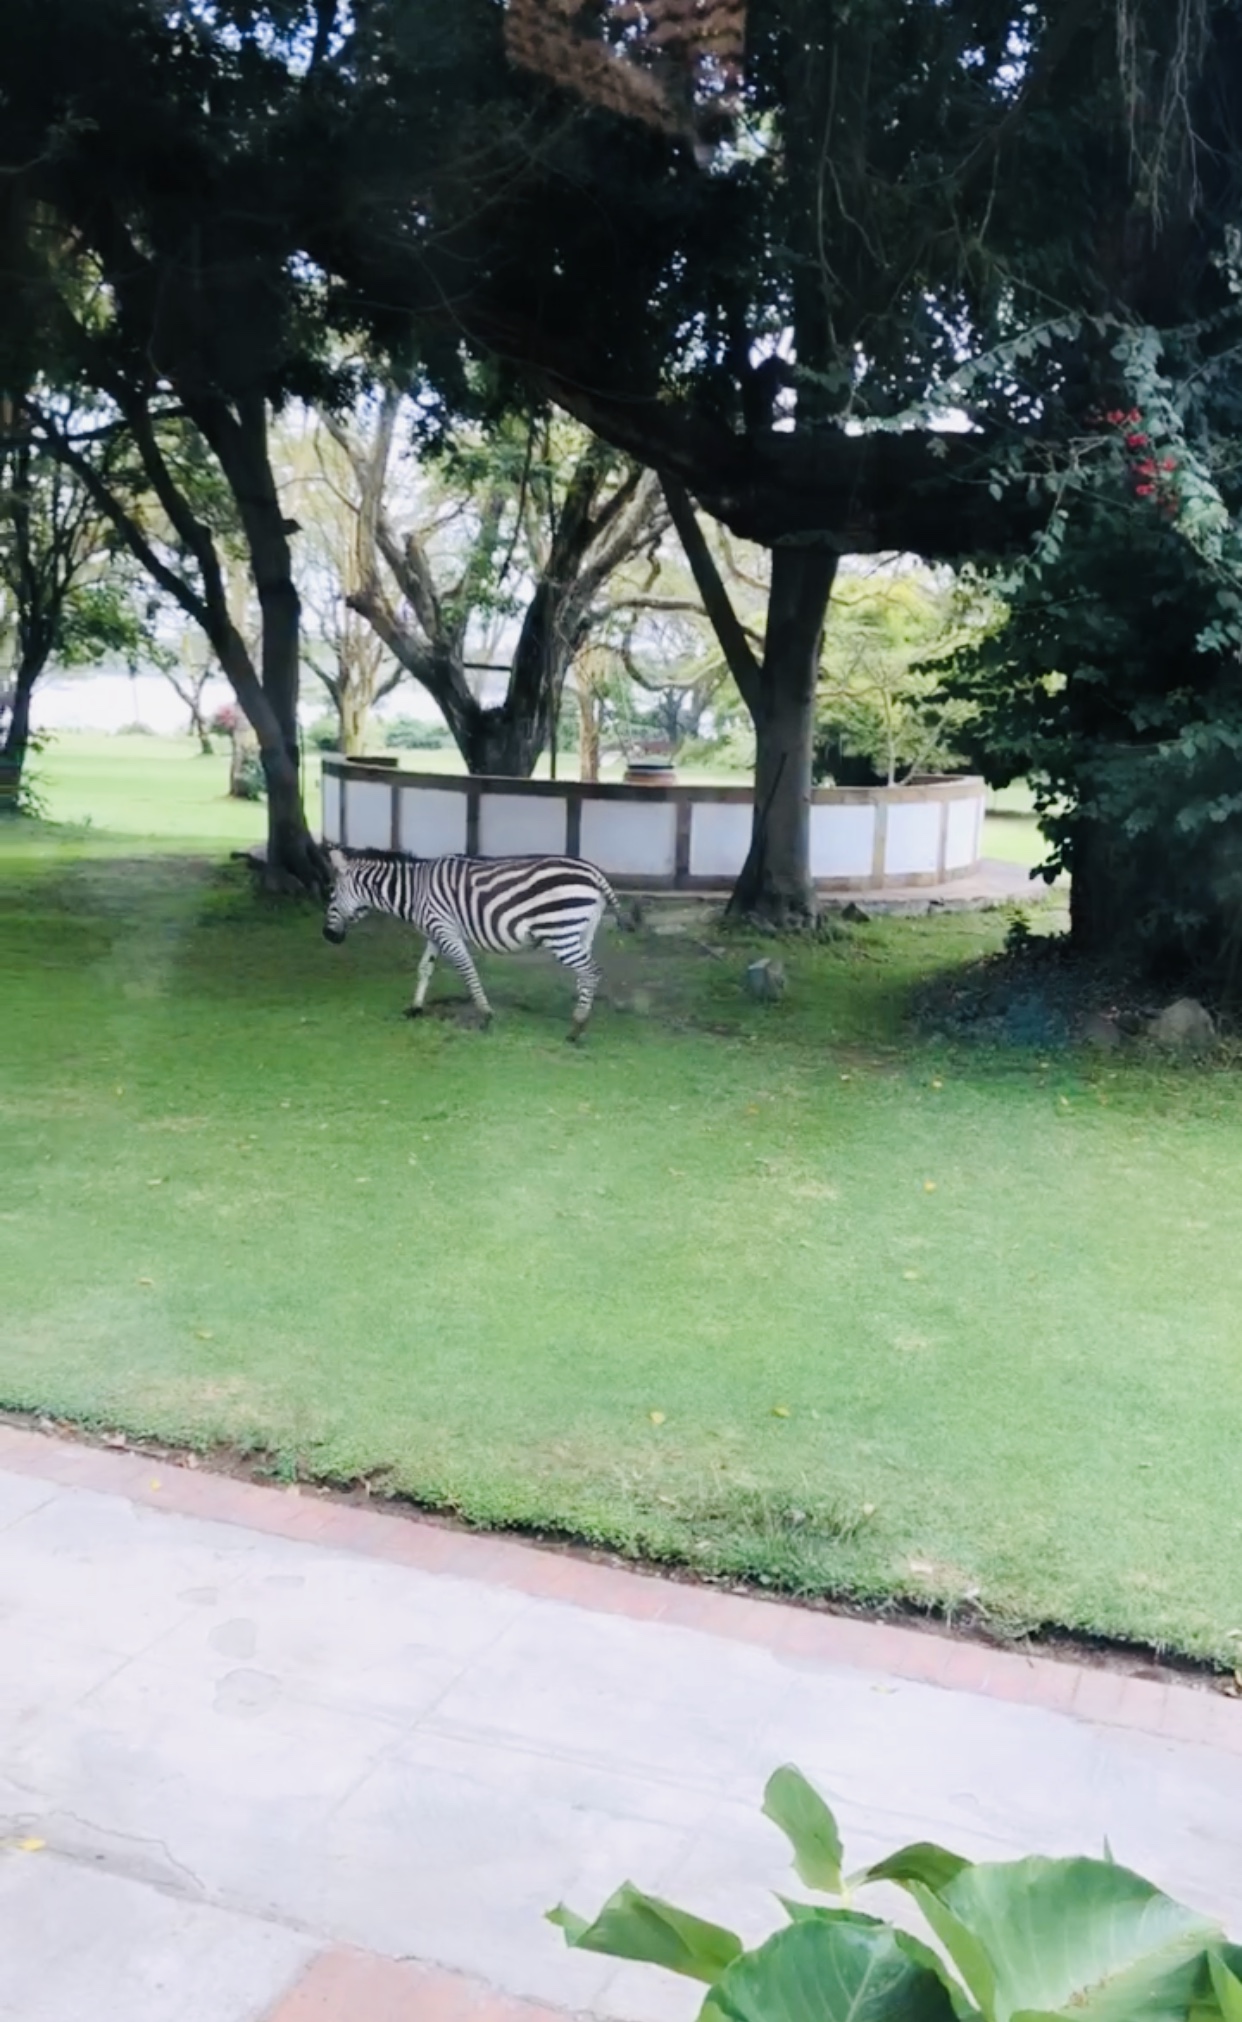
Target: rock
point(1102, 1032)
point(854, 913)
point(1185, 1026)
point(766, 980)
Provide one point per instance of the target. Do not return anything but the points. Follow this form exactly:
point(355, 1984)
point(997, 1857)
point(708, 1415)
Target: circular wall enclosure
point(670, 838)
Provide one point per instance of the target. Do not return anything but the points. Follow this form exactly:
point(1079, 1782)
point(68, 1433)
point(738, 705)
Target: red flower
point(1115, 417)
point(1146, 467)
point(1144, 490)
point(1168, 463)
point(1136, 442)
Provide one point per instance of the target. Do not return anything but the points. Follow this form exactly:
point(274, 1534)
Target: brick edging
point(1172, 1712)
point(343, 1984)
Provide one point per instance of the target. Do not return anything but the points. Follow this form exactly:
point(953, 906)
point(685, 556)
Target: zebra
point(499, 903)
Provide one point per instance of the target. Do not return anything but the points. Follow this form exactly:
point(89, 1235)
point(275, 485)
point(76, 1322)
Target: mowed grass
point(780, 1291)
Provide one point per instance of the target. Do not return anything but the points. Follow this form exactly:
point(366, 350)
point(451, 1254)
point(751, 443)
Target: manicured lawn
point(780, 1290)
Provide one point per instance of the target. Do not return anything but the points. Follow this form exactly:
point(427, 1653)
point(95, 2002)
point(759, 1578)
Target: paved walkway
point(263, 1755)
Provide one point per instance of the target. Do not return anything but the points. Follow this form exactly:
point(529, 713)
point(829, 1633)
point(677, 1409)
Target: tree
point(1115, 681)
point(57, 570)
point(531, 525)
point(321, 487)
point(883, 713)
point(907, 188)
point(158, 165)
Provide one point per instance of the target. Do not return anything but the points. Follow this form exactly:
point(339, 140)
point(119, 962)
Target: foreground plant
point(1022, 1941)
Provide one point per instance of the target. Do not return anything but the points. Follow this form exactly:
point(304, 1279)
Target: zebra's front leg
point(458, 954)
point(426, 966)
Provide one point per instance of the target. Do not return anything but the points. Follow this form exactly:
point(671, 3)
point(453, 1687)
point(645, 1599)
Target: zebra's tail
point(630, 917)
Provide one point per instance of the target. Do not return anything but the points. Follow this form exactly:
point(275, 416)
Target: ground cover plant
point(1018, 1940)
point(782, 1290)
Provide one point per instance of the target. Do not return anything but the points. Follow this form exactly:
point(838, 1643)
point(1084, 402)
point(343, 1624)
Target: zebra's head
point(348, 901)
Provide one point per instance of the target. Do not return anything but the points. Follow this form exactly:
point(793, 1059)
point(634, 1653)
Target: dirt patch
point(1039, 994)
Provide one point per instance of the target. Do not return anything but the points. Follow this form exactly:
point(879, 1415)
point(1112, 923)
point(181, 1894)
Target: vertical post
point(681, 859)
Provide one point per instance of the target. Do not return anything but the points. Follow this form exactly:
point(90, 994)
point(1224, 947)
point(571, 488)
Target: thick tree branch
point(742, 663)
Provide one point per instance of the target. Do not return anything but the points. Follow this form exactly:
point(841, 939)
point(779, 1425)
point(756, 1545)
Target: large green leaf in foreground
point(832, 1969)
point(1081, 1938)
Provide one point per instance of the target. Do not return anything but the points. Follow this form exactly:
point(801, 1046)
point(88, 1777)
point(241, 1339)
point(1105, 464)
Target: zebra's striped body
point(498, 903)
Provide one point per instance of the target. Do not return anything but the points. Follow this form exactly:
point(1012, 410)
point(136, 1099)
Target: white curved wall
point(676, 837)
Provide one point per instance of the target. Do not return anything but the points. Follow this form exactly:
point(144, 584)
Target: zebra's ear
point(337, 862)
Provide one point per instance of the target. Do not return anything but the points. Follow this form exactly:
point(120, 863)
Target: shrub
point(225, 721)
point(1033, 1938)
point(248, 780)
point(407, 733)
point(324, 734)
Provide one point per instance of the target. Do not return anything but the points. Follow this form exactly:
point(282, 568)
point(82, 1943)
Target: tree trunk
point(293, 856)
point(353, 713)
point(499, 742)
point(588, 735)
point(775, 883)
point(1097, 908)
point(17, 737)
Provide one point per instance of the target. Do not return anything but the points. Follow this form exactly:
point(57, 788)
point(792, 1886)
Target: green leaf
point(830, 1968)
point(634, 1926)
point(934, 1866)
point(812, 1913)
point(809, 1826)
point(1077, 1938)
point(1226, 1986)
point(914, 1948)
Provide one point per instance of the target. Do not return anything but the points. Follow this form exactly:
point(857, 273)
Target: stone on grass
point(1185, 1026)
point(766, 980)
point(1102, 1032)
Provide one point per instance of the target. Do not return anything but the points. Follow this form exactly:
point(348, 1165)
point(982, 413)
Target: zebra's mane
point(354, 856)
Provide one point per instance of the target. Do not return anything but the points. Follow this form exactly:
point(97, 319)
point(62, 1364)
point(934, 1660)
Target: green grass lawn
point(781, 1291)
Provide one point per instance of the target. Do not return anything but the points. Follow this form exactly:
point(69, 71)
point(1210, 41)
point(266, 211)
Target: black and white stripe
point(498, 903)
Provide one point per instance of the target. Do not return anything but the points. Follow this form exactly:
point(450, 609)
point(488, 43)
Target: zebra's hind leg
point(456, 952)
point(426, 966)
point(589, 980)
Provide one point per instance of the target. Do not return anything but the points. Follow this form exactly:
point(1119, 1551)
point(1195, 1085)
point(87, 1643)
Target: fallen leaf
point(205, 1333)
point(656, 1417)
point(929, 1186)
point(868, 1509)
point(780, 1411)
point(845, 1077)
point(153, 1484)
point(155, 1182)
point(146, 1281)
point(909, 1274)
point(31, 1845)
point(937, 1084)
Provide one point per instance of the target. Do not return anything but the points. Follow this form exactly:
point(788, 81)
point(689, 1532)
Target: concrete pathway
point(264, 1755)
